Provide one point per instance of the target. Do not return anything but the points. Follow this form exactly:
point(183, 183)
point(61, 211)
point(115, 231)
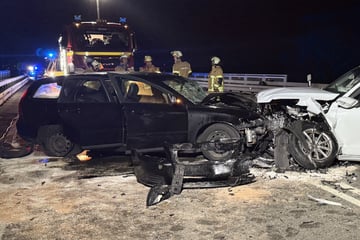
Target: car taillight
point(23, 95)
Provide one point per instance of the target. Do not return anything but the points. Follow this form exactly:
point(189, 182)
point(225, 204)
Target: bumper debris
point(168, 174)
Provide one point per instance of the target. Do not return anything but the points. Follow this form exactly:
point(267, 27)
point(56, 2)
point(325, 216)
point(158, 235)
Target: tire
point(215, 133)
point(322, 143)
point(55, 143)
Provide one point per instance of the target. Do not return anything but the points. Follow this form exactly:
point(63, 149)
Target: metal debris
point(168, 175)
point(323, 201)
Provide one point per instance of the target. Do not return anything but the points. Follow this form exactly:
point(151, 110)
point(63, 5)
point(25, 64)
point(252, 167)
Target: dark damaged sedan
point(137, 111)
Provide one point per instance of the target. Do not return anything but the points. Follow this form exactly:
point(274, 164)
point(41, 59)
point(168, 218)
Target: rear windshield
point(48, 90)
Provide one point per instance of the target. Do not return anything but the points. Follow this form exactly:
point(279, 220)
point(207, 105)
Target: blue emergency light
point(77, 18)
point(122, 20)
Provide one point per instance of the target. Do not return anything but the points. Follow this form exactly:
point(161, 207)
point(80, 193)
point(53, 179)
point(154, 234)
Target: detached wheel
point(55, 143)
point(322, 146)
point(214, 133)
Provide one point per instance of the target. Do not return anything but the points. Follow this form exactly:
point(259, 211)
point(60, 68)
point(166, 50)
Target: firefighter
point(149, 67)
point(180, 68)
point(124, 65)
point(216, 78)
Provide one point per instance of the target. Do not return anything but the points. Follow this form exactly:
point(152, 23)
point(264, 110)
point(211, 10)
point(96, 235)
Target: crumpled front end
point(167, 175)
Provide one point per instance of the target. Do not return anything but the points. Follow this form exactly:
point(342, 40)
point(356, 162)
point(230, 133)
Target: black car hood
point(245, 101)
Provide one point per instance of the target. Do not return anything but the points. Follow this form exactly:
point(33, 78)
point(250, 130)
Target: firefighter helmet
point(147, 59)
point(176, 53)
point(215, 60)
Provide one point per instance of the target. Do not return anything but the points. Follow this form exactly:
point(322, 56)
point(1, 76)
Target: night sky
point(250, 36)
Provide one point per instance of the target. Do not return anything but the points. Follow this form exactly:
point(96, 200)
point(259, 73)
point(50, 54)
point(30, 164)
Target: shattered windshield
point(187, 88)
point(344, 83)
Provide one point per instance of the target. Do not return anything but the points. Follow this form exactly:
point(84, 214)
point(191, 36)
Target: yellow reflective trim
point(103, 53)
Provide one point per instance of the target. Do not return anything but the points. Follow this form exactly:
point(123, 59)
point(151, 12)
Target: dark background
point(250, 36)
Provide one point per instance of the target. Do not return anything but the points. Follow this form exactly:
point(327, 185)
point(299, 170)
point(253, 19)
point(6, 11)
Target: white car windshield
point(346, 82)
point(189, 89)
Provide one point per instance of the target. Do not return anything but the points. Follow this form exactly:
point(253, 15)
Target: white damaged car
point(322, 124)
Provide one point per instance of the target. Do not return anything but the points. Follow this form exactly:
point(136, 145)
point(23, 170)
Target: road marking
point(350, 188)
point(338, 194)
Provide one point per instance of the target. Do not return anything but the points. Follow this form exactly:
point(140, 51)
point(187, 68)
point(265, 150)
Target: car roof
point(150, 77)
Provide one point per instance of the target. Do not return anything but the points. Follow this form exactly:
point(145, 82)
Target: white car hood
point(304, 94)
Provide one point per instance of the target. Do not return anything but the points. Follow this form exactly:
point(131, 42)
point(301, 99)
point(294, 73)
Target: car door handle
point(144, 114)
point(73, 110)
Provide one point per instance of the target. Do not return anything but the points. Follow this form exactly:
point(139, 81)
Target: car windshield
point(187, 88)
point(346, 82)
point(103, 39)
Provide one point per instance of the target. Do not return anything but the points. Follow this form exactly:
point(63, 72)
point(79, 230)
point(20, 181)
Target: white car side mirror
point(346, 102)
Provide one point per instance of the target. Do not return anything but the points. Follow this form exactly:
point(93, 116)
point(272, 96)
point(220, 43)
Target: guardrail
point(234, 82)
point(10, 86)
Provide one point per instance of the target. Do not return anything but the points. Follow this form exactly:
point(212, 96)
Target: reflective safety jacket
point(182, 69)
point(216, 79)
point(149, 68)
point(124, 68)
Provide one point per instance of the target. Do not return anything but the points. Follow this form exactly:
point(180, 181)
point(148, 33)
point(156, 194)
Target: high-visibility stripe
point(102, 53)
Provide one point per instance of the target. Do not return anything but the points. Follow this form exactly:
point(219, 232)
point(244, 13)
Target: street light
point(98, 9)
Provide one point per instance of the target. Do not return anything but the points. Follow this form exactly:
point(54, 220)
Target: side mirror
point(347, 102)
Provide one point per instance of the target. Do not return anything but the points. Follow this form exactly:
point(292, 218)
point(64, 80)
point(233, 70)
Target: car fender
point(312, 106)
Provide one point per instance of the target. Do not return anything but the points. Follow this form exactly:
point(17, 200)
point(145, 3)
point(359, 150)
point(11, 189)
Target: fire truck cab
point(85, 45)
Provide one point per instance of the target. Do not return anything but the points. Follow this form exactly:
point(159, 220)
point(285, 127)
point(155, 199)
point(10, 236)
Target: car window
point(345, 82)
point(91, 91)
point(356, 95)
point(137, 91)
point(49, 90)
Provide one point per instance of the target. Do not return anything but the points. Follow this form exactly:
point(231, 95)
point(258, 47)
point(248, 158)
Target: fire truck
point(83, 45)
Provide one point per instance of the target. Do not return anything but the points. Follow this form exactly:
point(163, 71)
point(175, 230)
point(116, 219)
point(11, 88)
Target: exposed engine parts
point(302, 135)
